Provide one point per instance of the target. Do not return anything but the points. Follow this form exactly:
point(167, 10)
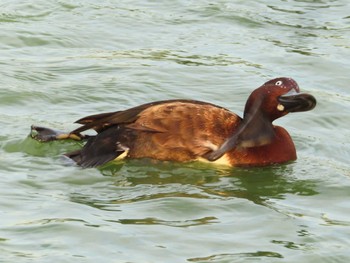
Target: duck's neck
point(255, 130)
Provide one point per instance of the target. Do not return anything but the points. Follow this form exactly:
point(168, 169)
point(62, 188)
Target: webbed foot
point(43, 134)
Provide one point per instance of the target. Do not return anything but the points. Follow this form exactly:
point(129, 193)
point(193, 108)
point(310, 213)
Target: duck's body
point(181, 130)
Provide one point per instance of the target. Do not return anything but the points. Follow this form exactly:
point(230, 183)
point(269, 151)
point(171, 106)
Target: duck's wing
point(100, 122)
point(181, 130)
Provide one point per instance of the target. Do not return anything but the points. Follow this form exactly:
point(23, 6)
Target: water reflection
point(137, 181)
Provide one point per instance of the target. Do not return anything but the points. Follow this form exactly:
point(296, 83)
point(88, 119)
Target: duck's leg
point(43, 134)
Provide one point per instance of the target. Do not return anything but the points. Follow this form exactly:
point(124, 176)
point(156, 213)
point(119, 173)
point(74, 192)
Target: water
point(62, 60)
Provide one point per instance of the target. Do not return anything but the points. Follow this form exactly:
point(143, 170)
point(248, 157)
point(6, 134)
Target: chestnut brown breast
point(280, 150)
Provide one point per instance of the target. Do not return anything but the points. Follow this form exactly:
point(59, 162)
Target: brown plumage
point(177, 130)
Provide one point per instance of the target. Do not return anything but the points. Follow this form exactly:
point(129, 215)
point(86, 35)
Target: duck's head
point(270, 101)
point(276, 98)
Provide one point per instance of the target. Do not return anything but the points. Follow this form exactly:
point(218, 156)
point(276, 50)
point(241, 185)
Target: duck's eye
point(279, 83)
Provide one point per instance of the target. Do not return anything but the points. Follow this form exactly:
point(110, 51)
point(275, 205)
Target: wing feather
point(100, 122)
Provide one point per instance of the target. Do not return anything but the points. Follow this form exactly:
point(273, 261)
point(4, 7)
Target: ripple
point(46, 221)
point(334, 222)
point(155, 221)
point(18, 12)
point(259, 255)
point(277, 8)
point(177, 56)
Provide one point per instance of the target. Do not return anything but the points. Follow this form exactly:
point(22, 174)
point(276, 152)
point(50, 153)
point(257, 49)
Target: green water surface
point(62, 60)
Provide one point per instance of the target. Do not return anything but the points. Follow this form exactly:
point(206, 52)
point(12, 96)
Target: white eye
point(279, 83)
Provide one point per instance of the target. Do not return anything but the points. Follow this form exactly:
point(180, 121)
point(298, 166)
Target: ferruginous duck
point(190, 130)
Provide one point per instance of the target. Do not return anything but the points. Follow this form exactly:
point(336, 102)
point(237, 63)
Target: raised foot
point(43, 134)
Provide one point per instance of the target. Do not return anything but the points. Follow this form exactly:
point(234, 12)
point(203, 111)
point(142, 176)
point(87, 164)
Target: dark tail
point(99, 149)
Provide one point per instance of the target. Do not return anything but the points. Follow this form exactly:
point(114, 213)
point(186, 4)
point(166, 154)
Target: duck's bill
point(296, 102)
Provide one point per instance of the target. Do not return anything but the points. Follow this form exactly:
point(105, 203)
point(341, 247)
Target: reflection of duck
point(186, 130)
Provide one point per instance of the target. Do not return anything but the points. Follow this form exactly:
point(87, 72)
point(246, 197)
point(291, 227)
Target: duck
point(183, 130)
